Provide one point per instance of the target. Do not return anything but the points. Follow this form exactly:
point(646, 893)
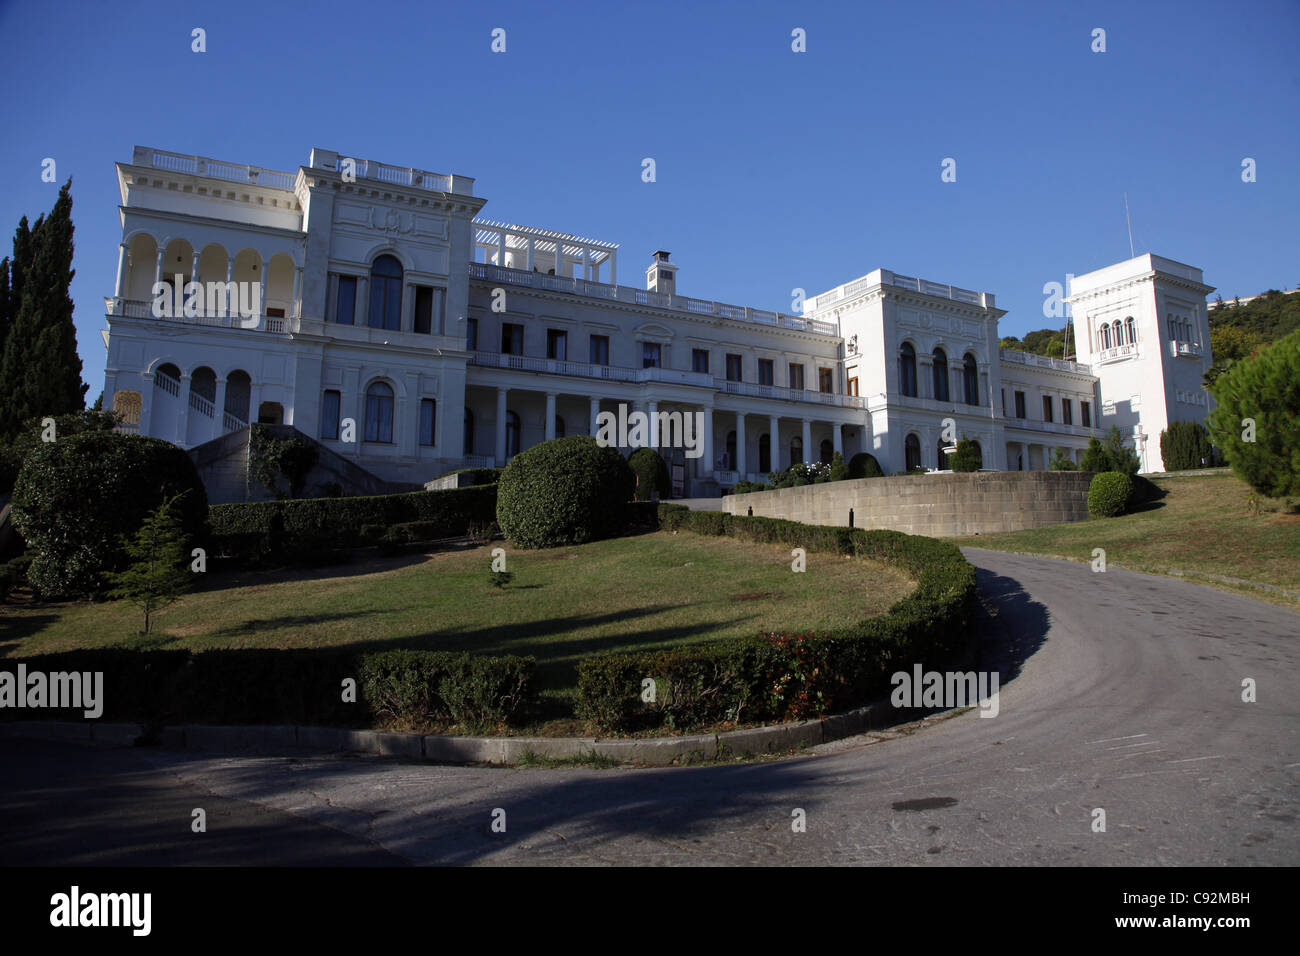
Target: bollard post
point(751, 511)
point(850, 517)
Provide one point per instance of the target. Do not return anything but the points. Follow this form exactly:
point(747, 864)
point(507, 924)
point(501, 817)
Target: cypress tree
point(40, 373)
point(159, 571)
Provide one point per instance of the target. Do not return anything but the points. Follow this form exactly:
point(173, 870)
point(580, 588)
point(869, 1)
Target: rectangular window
point(853, 385)
point(471, 334)
point(825, 380)
point(274, 313)
point(1004, 402)
point(733, 368)
point(329, 415)
point(1085, 415)
point(765, 372)
point(1020, 405)
point(700, 360)
point(345, 310)
point(1047, 408)
point(796, 375)
point(599, 353)
point(1067, 411)
point(423, 310)
point(557, 344)
point(428, 417)
point(512, 338)
point(650, 355)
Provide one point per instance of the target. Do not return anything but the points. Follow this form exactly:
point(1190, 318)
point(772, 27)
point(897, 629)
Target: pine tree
point(40, 372)
point(159, 570)
point(966, 457)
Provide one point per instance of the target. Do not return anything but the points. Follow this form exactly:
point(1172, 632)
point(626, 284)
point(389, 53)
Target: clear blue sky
point(775, 169)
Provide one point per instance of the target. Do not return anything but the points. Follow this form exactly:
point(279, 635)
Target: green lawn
point(644, 592)
point(1203, 527)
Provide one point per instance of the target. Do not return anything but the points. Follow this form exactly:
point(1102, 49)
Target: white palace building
point(381, 308)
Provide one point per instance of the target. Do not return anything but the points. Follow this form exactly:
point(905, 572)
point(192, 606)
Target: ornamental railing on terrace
point(634, 296)
point(214, 168)
point(1043, 361)
point(911, 283)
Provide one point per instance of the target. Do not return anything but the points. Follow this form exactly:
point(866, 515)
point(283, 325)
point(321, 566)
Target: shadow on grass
point(16, 628)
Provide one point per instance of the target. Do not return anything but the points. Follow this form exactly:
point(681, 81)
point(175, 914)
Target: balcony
point(1117, 353)
point(143, 309)
point(212, 168)
point(1189, 350)
point(628, 294)
point(754, 390)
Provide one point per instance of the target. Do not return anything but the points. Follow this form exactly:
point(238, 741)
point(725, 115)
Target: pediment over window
point(653, 331)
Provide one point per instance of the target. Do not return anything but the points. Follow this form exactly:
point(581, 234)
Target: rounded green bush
point(564, 491)
point(77, 498)
point(1109, 493)
point(863, 465)
point(651, 474)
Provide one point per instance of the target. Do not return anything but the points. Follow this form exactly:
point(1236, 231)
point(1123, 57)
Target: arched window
point(907, 370)
point(827, 451)
point(512, 434)
point(1131, 330)
point(385, 294)
point(970, 380)
point(765, 453)
point(1118, 332)
point(379, 413)
point(940, 375)
point(912, 452)
point(559, 427)
point(469, 431)
point(796, 450)
point(1105, 336)
point(731, 451)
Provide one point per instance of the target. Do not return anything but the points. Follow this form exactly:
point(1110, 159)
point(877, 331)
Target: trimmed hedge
point(864, 465)
point(478, 476)
point(1109, 493)
point(564, 491)
point(412, 688)
point(782, 676)
point(78, 497)
point(651, 474)
point(266, 529)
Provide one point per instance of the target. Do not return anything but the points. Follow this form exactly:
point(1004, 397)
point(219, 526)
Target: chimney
point(662, 275)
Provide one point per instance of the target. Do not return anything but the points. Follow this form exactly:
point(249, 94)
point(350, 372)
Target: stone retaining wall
point(940, 505)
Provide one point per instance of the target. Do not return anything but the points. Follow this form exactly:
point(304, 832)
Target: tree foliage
point(966, 458)
point(1185, 446)
point(158, 572)
point(270, 458)
point(651, 474)
point(40, 371)
point(1257, 421)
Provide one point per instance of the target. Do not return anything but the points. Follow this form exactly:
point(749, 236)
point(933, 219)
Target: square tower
point(1141, 325)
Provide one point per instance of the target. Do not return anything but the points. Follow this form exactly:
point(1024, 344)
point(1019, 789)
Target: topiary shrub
point(564, 491)
point(967, 457)
point(78, 497)
point(651, 474)
point(863, 465)
point(839, 467)
point(1109, 493)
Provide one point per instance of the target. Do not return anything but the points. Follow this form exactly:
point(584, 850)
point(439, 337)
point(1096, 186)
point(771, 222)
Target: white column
point(559, 258)
point(807, 441)
point(613, 268)
point(740, 445)
point(296, 306)
point(774, 443)
point(837, 437)
point(146, 402)
point(362, 316)
point(501, 248)
point(261, 299)
point(501, 428)
point(219, 411)
point(706, 445)
point(158, 266)
point(654, 424)
point(595, 414)
point(122, 257)
point(531, 252)
point(550, 415)
point(194, 267)
point(407, 321)
point(183, 419)
point(230, 269)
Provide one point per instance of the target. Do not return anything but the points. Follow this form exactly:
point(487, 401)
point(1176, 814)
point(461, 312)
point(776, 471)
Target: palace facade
point(398, 327)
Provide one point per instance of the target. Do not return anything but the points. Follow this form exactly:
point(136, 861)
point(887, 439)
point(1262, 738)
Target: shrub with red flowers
point(798, 685)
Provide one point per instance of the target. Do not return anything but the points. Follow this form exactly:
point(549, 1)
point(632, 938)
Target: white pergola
point(540, 250)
